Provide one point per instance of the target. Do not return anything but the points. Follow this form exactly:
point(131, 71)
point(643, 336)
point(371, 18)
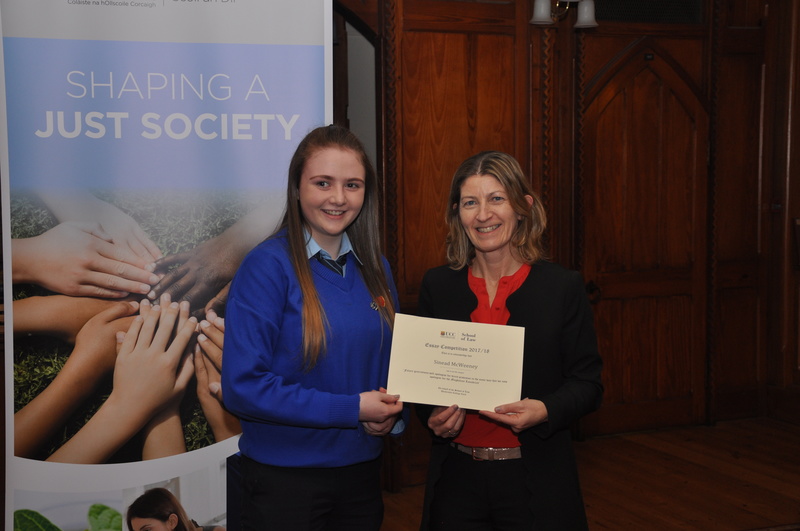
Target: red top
point(479, 431)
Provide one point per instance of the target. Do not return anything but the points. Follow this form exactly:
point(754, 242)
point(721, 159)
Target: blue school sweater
point(290, 417)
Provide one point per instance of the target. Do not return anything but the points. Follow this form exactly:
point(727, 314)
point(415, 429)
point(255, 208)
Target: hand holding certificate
point(441, 362)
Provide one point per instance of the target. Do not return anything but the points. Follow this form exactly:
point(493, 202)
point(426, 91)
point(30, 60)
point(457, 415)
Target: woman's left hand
point(519, 416)
point(379, 429)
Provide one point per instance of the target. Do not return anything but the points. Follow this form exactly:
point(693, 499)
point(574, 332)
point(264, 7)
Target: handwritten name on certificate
point(441, 362)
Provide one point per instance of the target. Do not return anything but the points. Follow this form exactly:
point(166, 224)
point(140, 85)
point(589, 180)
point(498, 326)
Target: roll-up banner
point(145, 150)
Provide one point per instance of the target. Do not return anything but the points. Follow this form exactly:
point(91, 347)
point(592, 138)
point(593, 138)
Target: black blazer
point(561, 367)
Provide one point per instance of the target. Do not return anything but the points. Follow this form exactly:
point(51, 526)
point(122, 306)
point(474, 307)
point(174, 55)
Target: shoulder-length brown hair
point(159, 504)
point(364, 234)
point(526, 241)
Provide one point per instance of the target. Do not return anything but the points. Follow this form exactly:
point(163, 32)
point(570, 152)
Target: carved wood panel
point(644, 224)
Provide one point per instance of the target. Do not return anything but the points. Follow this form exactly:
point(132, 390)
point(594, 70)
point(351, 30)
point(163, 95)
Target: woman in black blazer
point(512, 468)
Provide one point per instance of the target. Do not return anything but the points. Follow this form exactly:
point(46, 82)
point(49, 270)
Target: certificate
point(441, 362)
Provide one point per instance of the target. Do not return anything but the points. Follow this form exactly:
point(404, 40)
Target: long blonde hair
point(526, 240)
point(363, 233)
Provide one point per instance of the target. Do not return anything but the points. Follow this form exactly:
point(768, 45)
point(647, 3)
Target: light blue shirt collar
point(312, 247)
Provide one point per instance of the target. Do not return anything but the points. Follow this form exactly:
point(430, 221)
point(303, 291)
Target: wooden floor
point(735, 476)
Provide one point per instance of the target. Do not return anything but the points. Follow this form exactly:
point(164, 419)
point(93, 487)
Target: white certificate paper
point(441, 362)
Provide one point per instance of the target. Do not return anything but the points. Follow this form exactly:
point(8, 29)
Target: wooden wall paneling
point(441, 15)
point(675, 381)
point(457, 99)
point(644, 175)
point(738, 342)
point(793, 210)
point(522, 86)
point(744, 14)
point(388, 116)
point(561, 125)
point(782, 166)
point(684, 46)
point(600, 55)
point(738, 371)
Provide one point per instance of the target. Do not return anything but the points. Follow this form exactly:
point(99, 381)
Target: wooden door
point(643, 198)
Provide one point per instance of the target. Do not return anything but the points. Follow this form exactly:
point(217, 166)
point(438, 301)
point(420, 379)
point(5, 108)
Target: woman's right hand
point(376, 406)
point(447, 422)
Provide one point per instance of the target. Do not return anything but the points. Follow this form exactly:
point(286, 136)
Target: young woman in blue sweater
point(307, 347)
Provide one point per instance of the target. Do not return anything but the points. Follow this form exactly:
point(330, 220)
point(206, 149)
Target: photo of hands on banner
point(109, 366)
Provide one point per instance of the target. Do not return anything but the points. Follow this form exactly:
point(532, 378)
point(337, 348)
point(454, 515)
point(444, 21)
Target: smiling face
point(331, 194)
point(486, 214)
